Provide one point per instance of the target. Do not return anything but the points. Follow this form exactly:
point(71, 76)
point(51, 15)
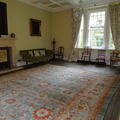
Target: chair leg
point(89, 60)
point(111, 63)
point(104, 61)
point(96, 61)
point(82, 58)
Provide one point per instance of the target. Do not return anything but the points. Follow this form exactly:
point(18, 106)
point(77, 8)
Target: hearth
point(5, 58)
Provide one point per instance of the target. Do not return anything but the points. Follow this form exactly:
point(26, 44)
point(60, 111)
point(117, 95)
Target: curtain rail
point(103, 6)
point(116, 2)
point(97, 7)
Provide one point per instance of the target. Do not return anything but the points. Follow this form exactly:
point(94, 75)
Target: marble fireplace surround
point(10, 42)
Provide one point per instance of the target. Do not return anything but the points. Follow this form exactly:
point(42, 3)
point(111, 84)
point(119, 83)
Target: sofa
point(36, 55)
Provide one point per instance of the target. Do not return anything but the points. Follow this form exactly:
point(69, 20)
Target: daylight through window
point(94, 31)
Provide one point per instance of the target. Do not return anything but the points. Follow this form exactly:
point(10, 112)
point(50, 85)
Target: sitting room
point(59, 60)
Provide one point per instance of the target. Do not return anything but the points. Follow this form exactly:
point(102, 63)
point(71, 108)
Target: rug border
point(108, 99)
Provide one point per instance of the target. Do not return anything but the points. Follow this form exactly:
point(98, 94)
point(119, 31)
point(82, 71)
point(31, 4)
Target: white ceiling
point(92, 3)
point(52, 5)
point(59, 5)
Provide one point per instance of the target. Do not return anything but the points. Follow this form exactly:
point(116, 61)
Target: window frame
point(89, 13)
point(86, 23)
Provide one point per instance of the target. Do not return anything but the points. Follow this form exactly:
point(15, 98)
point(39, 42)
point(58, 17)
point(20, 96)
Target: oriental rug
point(52, 92)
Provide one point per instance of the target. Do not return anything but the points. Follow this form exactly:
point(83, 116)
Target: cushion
point(100, 58)
point(42, 52)
point(31, 53)
point(36, 53)
point(115, 59)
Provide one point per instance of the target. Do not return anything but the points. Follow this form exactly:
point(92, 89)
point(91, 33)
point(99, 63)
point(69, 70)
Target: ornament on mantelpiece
point(12, 35)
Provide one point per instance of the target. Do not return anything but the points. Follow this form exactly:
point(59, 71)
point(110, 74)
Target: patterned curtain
point(77, 17)
point(114, 11)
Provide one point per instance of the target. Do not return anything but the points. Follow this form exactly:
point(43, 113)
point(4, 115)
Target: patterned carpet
point(53, 92)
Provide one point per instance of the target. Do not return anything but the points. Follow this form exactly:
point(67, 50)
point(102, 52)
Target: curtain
point(77, 17)
point(114, 12)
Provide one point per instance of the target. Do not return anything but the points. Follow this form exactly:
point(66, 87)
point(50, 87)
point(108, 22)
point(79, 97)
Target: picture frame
point(35, 27)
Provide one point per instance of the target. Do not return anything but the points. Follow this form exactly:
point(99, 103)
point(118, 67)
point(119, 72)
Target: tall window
point(96, 29)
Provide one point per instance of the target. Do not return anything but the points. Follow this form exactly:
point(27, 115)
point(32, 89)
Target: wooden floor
point(113, 111)
point(6, 71)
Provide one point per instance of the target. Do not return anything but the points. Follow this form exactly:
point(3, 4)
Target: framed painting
point(35, 27)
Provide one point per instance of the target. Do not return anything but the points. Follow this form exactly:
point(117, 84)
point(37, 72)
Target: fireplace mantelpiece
point(9, 42)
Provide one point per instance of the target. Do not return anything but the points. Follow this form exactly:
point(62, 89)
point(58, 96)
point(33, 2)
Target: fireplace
point(5, 57)
point(8, 48)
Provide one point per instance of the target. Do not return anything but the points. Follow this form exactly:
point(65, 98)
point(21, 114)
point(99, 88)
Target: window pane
point(96, 29)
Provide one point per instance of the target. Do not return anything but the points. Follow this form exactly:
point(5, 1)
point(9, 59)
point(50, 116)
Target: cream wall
point(54, 25)
point(62, 30)
point(18, 23)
